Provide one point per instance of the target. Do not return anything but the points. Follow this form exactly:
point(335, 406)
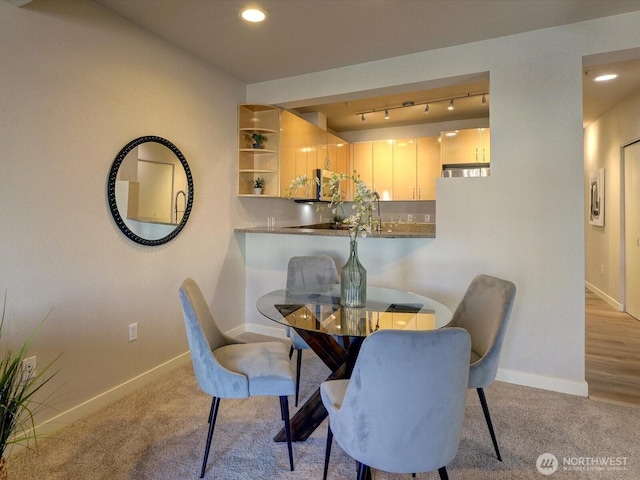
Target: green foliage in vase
point(17, 403)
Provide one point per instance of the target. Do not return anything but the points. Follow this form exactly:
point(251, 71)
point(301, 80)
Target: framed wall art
point(596, 198)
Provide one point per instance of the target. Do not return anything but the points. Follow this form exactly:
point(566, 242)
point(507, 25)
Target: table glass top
point(318, 309)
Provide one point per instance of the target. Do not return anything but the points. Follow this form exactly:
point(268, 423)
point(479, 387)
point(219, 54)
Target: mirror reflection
point(150, 190)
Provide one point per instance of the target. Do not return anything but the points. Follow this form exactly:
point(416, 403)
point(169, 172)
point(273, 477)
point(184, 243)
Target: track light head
point(426, 108)
point(386, 114)
point(484, 100)
point(450, 107)
point(362, 117)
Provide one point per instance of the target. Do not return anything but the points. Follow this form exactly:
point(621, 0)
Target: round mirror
point(150, 190)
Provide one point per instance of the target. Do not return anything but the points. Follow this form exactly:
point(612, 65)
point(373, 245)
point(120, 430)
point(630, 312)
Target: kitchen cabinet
point(258, 162)
point(400, 169)
point(405, 169)
point(416, 165)
point(287, 150)
point(383, 169)
point(339, 161)
point(363, 161)
point(297, 151)
point(428, 167)
point(305, 147)
point(466, 146)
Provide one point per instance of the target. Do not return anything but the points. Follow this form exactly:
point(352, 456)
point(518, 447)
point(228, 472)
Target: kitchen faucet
point(376, 195)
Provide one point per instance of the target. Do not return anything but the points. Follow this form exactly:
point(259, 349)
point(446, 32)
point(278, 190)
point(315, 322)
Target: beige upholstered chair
point(228, 368)
point(306, 271)
point(402, 409)
point(484, 312)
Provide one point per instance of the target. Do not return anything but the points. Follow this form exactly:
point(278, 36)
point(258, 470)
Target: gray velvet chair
point(228, 368)
point(484, 312)
point(305, 271)
point(402, 409)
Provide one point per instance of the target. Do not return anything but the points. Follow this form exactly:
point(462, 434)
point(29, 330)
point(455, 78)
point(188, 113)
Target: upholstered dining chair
point(228, 368)
point(304, 271)
point(484, 312)
point(402, 409)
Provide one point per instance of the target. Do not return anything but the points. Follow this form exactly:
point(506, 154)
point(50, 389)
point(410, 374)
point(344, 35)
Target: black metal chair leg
point(211, 409)
point(213, 414)
point(487, 416)
point(327, 453)
point(443, 473)
point(299, 364)
point(284, 405)
point(291, 352)
point(363, 470)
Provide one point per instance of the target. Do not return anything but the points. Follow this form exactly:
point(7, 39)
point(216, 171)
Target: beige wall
point(76, 84)
point(603, 141)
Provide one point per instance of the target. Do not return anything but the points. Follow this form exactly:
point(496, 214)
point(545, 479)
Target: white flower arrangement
point(363, 201)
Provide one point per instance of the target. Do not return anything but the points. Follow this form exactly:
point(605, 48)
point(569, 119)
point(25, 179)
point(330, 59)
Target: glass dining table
point(335, 332)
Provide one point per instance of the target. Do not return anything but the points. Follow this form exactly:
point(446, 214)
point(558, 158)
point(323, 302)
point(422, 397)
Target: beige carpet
point(158, 433)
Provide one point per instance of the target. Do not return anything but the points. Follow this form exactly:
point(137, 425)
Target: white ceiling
point(303, 36)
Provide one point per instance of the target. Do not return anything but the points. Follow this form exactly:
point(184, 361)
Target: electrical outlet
point(28, 369)
point(133, 332)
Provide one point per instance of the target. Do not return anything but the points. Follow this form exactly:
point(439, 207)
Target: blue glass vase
point(353, 285)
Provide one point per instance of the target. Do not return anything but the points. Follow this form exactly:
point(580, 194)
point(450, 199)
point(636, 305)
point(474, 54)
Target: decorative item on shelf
point(18, 388)
point(258, 140)
point(258, 185)
point(353, 286)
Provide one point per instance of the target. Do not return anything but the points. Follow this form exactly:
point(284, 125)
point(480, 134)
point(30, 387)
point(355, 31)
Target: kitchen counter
point(407, 230)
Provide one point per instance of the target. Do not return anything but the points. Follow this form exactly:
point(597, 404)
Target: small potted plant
point(258, 140)
point(258, 185)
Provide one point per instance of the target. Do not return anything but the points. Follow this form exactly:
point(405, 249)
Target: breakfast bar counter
point(413, 230)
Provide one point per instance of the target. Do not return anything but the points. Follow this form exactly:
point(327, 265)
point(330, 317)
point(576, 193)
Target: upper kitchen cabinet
point(363, 161)
point(297, 151)
point(400, 169)
point(416, 165)
point(427, 167)
point(383, 169)
point(258, 159)
point(405, 169)
point(465, 146)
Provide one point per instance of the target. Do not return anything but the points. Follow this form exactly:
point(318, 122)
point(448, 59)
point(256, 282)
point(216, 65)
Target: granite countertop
point(406, 230)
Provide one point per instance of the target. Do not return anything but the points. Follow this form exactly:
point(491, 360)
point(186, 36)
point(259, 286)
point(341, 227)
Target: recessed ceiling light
point(604, 78)
point(253, 15)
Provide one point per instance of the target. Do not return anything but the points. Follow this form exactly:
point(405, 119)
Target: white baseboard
point(277, 332)
point(102, 400)
point(553, 384)
point(614, 303)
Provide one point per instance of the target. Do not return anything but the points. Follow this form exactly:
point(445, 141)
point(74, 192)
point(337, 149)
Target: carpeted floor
point(158, 433)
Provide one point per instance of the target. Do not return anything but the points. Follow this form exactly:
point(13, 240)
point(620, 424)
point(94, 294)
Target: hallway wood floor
point(612, 347)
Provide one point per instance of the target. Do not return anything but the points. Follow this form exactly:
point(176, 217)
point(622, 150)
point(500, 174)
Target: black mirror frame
point(111, 190)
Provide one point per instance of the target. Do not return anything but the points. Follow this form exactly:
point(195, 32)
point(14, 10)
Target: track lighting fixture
point(427, 105)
